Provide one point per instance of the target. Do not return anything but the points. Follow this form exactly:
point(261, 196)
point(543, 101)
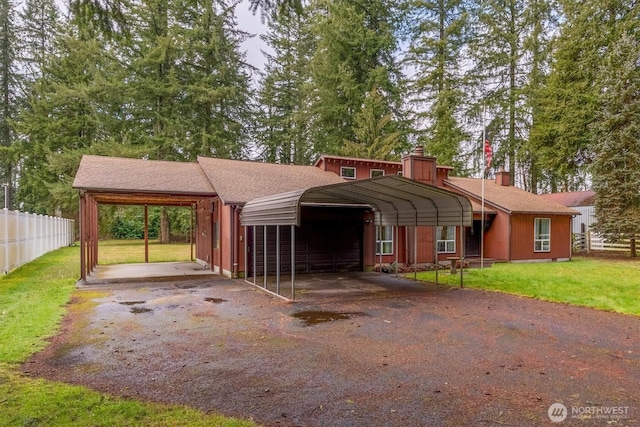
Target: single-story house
point(341, 214)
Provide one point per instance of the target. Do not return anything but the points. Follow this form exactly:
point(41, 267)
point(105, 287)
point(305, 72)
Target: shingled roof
point(572, 198)
point(238, 181)
point(506, 197)
point(122, 175)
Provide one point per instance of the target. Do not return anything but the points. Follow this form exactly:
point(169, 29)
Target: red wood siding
point(522, 229)
point(363, 167)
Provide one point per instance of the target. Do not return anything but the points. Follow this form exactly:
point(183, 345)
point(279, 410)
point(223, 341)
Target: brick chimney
point(420, 167)
point(503, 178)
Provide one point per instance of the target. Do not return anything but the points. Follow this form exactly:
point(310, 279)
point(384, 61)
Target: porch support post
point(83, 238)
point(191, 232)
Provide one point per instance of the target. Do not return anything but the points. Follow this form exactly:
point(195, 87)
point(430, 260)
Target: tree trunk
point(165, 226)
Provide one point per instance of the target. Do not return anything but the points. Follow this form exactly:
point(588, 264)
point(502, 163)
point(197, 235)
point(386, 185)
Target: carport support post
point(379, 230)
point(461, 249)
point(255, 261)
point(278, 259)
point(435, 247)
point(293, 263)
point(415, 250)
point(264, 269)
point(397, 246)
point(146, 233)
point(246, 253)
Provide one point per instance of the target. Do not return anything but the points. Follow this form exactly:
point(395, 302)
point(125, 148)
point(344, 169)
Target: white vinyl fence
point(24, 237)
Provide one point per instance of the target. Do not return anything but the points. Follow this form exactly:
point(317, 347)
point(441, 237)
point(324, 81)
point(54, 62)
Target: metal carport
point(395, 200)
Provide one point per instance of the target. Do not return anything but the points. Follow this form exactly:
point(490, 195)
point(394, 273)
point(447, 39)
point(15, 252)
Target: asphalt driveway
point(363, 350)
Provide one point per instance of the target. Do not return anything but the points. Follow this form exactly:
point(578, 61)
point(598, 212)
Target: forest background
point(553, 84)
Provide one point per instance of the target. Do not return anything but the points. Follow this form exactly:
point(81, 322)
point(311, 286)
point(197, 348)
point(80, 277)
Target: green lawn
point(132, 251)
point(33, 299)
point(609, 284)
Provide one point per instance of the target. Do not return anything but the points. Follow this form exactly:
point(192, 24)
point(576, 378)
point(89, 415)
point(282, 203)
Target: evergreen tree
point(569, 101)
point(507, 50)
point(38, 31)
point(438, 29)
point(616, 143)
point(215, 79)
point(9, 88)
point(284, 131)
point(354, 54)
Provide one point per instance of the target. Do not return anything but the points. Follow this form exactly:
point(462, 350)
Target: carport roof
point(124, 180)
point(396, 201)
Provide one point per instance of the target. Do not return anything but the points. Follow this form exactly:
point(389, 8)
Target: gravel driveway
point(363, 350)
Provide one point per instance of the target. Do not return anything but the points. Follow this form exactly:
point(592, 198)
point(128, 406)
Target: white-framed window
point(446, 237)
point(542, 235)
point(384, 240)
point(399, 173)
point(376, 172)
point(348, 172)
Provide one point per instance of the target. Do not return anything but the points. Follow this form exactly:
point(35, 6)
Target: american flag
point(488, 152)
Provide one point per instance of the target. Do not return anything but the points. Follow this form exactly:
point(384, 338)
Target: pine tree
point(354, 54)
point(438, 29)
point(616, 143)
point(569, 101)
point(39, 22)
point(216, 106)
point(9, 88)
point(284, 128)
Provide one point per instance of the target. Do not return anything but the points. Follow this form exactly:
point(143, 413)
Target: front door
point(472, 239)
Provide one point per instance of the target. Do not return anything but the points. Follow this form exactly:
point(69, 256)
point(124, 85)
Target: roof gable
point(507, 198)
point(238, 181)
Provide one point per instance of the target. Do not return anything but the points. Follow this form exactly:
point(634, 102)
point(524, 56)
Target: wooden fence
point(24, 237)
point(592, 242)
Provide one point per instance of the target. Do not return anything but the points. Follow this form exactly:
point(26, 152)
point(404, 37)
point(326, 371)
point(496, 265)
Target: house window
point(384, 240)
point(399, 173)
point(446, 237)
point(542, 235)
point(376, 172)
point(347, 172)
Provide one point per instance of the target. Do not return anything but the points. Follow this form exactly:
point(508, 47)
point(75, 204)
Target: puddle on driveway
point(140, 310)
point(215, 300)
point(132, 302)
point(314, 317)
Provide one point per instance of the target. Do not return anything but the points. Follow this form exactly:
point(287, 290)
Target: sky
point(251, 23)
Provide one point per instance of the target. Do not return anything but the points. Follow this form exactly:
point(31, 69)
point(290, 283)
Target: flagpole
point(484, 171)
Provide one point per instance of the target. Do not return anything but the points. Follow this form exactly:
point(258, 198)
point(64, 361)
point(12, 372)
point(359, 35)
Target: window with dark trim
point(376, 172)
point(347, 172)
point(542, 235)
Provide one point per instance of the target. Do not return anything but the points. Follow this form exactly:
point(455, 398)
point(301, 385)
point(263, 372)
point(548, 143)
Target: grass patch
point(612, 285)
point(132, 251)
point(33, 300)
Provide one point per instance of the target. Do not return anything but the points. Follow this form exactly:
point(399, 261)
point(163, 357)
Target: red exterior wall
point(522, 231)
point(496, 239)
point(363, 167)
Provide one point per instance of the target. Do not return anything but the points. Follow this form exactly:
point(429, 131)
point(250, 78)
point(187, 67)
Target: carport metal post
point(435, 247)
point(379, 235)
point(397, 245)
point(264, 269)
point(415, 250)
point(255, 261)
point(278, 259)
point(461, 248)
point(246, 252)
point(293, 263)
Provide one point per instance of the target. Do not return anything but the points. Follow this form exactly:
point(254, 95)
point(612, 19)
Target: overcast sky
point(251, 23)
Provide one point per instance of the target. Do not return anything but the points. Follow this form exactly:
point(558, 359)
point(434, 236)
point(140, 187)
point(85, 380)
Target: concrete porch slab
point(153, 271)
